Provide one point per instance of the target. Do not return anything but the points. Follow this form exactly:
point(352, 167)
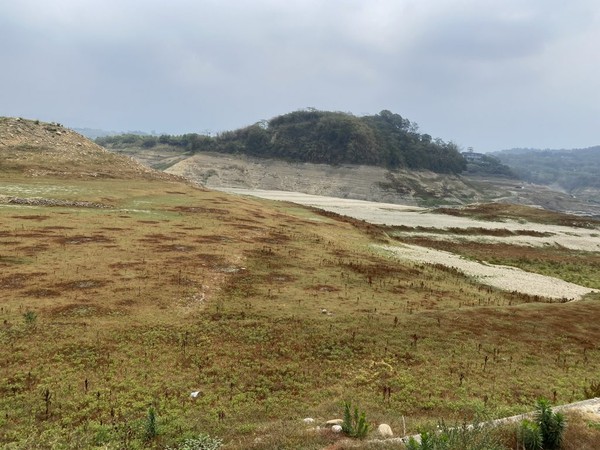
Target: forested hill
point(571, 169)
point(384, 139)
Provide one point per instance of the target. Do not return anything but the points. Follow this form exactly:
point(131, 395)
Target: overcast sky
point(488, 74)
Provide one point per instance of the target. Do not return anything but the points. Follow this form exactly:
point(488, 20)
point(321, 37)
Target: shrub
point(151, 426)
point(545, 431)
point(30, 317)
point(530, 435)
point(354, 425)
point(465, 437)
point(552, 425)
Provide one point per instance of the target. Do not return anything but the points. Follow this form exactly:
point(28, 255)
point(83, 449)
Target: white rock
point(336, 428)
point(195, 394)
point(333, 422)
point(308, 420)
point(385, 430)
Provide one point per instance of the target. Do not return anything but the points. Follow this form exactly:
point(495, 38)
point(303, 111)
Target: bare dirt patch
point(277, 277)
point(41, 292)
point(213, 239)
point(15, 281)
point(81, 239)
point(126, 265)
point(323, 288)
point(176, 248)
point(83, 284)
point(37, 218)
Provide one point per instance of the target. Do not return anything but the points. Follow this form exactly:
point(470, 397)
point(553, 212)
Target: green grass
point(173, 289)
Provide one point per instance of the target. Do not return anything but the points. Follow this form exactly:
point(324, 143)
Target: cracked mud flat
point(502, 277)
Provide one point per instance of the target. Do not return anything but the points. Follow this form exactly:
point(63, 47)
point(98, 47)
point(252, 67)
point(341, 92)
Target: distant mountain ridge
point(573, 170)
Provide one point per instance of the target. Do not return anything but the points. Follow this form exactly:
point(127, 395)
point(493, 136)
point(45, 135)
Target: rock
point(385, 430)
point(195, 394)
point(308, 420)
point(336, 428)
point(333, 422)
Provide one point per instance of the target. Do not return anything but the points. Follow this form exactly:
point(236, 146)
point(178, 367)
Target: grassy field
point(272, 311)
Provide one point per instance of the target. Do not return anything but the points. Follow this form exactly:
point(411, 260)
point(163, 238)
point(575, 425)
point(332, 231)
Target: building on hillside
point(472, 157)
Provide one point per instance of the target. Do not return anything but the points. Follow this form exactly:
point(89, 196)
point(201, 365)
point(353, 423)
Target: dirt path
point(502, 277)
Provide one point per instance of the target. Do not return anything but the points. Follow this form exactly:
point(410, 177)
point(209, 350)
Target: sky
point(486, 74)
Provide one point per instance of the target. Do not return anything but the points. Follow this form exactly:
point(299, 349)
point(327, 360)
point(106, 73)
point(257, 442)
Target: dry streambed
point(502, 277)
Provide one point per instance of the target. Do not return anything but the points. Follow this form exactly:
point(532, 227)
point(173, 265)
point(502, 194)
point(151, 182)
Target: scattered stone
point(336, 428)
point(385, 430)
point(195, 394)
point(308, 420)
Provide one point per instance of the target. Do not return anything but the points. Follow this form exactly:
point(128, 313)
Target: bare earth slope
point(365, 182)
point(40, 149)
point(344, 181)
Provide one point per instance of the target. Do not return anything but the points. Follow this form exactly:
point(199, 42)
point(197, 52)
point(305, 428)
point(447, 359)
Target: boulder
point(385, 430)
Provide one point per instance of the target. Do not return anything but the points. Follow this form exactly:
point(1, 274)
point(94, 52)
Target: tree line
point(384, 139)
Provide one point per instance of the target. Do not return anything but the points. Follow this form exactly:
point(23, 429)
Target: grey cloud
point(480, 72)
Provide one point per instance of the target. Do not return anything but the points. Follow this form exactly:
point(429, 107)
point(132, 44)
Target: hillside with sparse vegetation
point(138, 310)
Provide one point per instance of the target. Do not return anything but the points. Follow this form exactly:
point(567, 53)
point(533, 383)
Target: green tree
point(355, 424)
